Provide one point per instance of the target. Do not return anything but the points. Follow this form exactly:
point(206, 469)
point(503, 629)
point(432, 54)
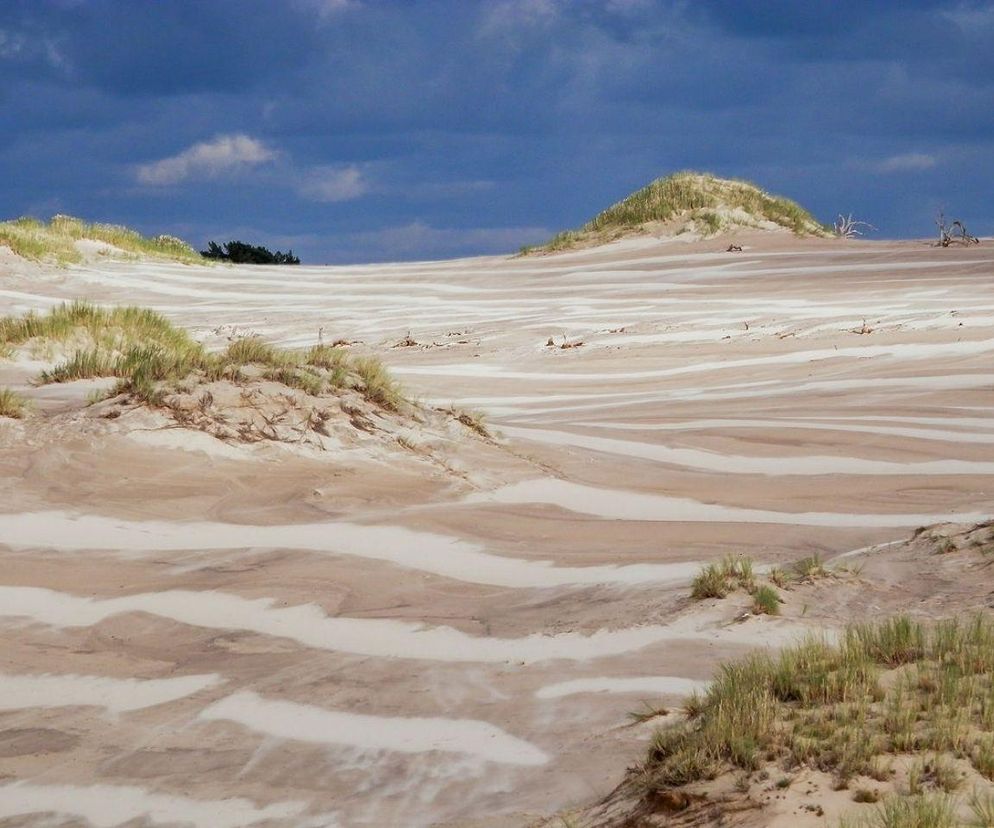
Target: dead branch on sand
point(846, 227)
point(954, 233)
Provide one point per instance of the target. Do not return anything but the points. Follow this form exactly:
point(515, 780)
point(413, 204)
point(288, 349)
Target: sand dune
point(442, 631)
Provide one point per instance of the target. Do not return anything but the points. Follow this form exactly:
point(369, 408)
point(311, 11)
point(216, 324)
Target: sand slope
point(366, 638)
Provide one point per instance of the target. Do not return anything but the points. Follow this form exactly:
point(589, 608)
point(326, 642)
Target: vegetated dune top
point(692, 203)
point(69, 240)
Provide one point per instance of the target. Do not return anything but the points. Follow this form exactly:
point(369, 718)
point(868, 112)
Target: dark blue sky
point(361, 130)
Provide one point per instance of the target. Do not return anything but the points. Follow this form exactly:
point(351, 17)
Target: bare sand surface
point(199, 632)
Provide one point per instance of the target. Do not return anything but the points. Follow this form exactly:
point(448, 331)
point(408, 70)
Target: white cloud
point(969, 18)
point(225, 153)
point(10, 45)
point(511, 15)
point(327, 8)
point(907, 162)
point(334, 184)
point(15, 46)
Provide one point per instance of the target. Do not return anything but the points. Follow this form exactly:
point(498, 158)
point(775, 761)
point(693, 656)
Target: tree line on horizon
point(240, 252)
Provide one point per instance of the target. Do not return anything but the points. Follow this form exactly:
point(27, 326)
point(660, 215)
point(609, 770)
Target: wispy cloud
point(223, 154)
point(11, 45)
point(327, 8)
point(18, 47)
point(331, 183)
point(510, 15)
point(906, 162)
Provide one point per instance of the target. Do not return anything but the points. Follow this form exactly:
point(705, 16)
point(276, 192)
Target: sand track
point(237, 637)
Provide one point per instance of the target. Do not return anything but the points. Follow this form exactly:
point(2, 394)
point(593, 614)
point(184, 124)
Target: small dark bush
point(242, 253)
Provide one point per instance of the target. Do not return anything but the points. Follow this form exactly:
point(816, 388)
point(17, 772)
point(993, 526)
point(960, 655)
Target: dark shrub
point(242, 253)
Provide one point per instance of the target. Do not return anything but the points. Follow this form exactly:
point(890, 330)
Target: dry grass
point(825, 706)
point(473, 420)
point(12, 404)
point(36, 240)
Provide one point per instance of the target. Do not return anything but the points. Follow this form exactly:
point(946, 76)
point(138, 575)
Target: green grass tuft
point(253, 350)
point(335, 361)
point(719, 579)
point(765, 601)
point(12, 404)
point(923, 811)
point(377, 385)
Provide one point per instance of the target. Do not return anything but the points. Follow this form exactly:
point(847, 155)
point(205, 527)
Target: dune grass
point(665, 198)
point(922, 811)
point(54, 240)
point(765, 601)
point(827, 706)
point(147, 353)
point(377, 384)
point(717, 580)
point(12, 404)
point(702, 198)
point(106, 329)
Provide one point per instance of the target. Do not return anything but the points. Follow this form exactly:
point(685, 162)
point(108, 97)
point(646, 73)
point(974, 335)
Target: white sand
point(737, 464)
point(424, 551)
point(304, 722)
point(19, 692)
point(628, 505)
point(310, 626)
point(110, 806)
point(651, 685)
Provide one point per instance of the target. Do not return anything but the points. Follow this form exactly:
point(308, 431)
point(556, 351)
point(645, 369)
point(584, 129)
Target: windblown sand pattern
point(210, 634)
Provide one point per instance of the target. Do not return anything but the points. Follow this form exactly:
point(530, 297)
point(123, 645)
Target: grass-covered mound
point(56, 240)
point(690, 201)
point(149, 355)
point(888, 695)
point(247, 392)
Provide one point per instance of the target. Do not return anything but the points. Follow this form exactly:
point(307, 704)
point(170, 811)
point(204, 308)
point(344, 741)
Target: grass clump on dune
point(894, 687)
point(765, 601)
point(12, 404)
point(55, 240)
point(719, 579)
point(922, 811)
point(377, 384)
point(105, 329)
point(706, 203)
point(147, 352)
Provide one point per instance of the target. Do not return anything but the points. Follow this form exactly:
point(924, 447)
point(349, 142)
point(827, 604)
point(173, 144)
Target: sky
point(379, 130)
